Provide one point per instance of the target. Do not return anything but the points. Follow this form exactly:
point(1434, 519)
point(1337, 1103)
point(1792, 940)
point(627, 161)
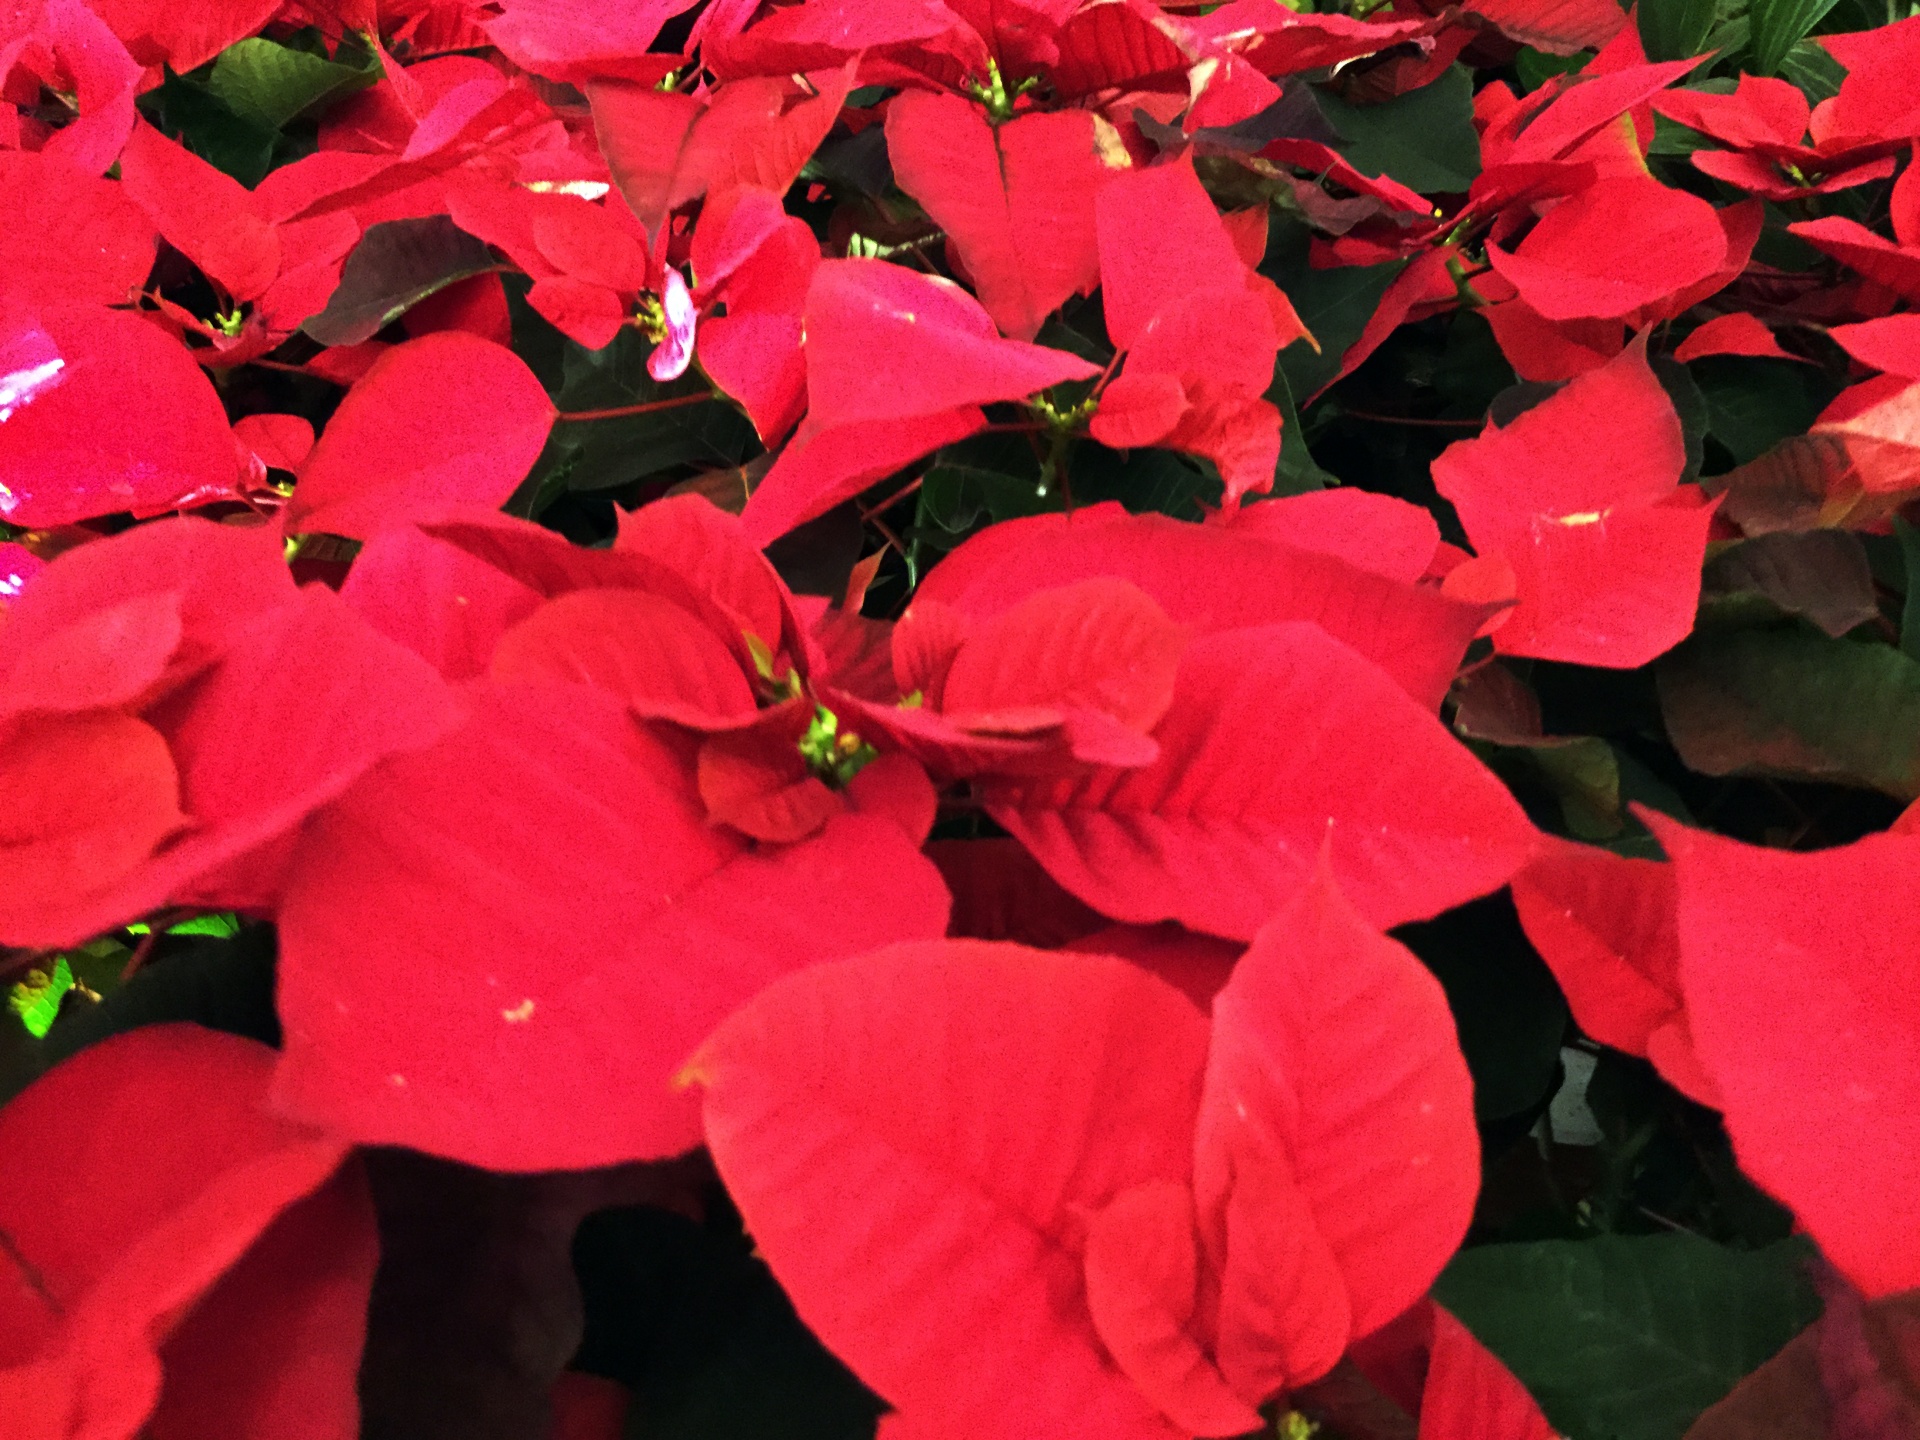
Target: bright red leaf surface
point(1414, 824)
point(1604, 543)
point(70, 237)
point(1820, 938)
point(178, 1260)
point(445, 420)
point(66, 366)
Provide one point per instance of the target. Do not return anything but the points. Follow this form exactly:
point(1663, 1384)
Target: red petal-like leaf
point(204, 214)
point(1213, 578)
point(1735, 334)
point(168, 443)
point(436, 599)
point(648, 652)
point(1098, 644)
point(448, 419)
point(885, 342)
point(1891, 343)
point(1615, 246)
point(169, 1171)
point(183, 37)
point(514, 1039)
point(1016, 199)
point(576, 42)
point(1799, 974)
point(69, 238)
point(912, 1137)
point(1334, 1061)
point(1279, 741)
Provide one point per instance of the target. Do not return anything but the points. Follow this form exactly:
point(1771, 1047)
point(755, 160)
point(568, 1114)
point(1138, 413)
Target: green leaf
point(1776, 26)
point(36, 999)
point(1753, 404)
point(1424, 139)
point(269, 84)
point(1630, 1337)
point(1677, 29)
point(1334, 304)
point(1795, 703)
point(208, 126)
point(1909, 539)
point(1816, 72)
point(1298, 471)
point(396, 265)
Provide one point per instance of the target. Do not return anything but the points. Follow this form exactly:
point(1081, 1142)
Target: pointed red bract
point(966, 1100)
point(207, 216)
point(70, 237)
point(1279, 741)
point(550, 1045)
point(897, 365)
point(1613, 247)
point(183, 37)
point(168, 444)
point(574, 42)
point(1212, 578)
point(1803, 995)
point(1016, 200)
point(1369, 1119)
point(176, 1261)
point(448, 419)
point(1604, 543)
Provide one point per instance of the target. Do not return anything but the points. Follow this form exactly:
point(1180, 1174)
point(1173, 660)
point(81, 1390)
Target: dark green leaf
point(1298, 471)
point(206, 125)
point(1795, 703)
point(1424, 139)
point(1776, 26)
point(1677, 29)
point(1145, 481)
point(396, 265)
point(1815, 71)
point(1509, 1011)
point(1909, 539)
point(688, 1317)
point(475, 1308)
point(1334, 304)
point(269, 84)
point(1691, 406)
point(1630, 1337)
point(1754, 404)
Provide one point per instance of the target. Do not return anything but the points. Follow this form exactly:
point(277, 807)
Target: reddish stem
point(621, 411)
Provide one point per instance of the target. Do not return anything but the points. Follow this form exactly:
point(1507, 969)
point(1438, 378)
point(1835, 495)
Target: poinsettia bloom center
point(674, 327)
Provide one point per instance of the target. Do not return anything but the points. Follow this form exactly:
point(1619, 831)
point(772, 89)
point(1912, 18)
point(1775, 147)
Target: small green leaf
point(269, 84)
point(36, 999)
point(1777, 26)
point(1630, 1337)
point(1334, 304)
point(1425, 139)
point(1677, 29)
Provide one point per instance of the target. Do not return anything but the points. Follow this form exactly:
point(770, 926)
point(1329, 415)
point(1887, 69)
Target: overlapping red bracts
point(1123, 1111)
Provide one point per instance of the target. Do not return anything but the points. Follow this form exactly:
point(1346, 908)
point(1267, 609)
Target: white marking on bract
point(519, 1014)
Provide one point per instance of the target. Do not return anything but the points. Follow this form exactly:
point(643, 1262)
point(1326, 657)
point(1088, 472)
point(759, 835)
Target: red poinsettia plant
point(947, 718)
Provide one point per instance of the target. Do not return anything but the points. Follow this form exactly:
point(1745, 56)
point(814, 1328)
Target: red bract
point(178, 1262)
point(752, 257)
point(205, 215)
point(576, 43)
point(1822, 938)
point(70, 237)
point(182, 37)
point(63, 367)
point(1210, 837)
point(1602, 545)
point(1016, 200)
point(607, 740)
point(1893, 263)
point(1199, 353)
point(1431, 1366)
point(445, 420)
point(131, 667)
point(63, 45)
point(1081, 1203)
point(898, 364)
